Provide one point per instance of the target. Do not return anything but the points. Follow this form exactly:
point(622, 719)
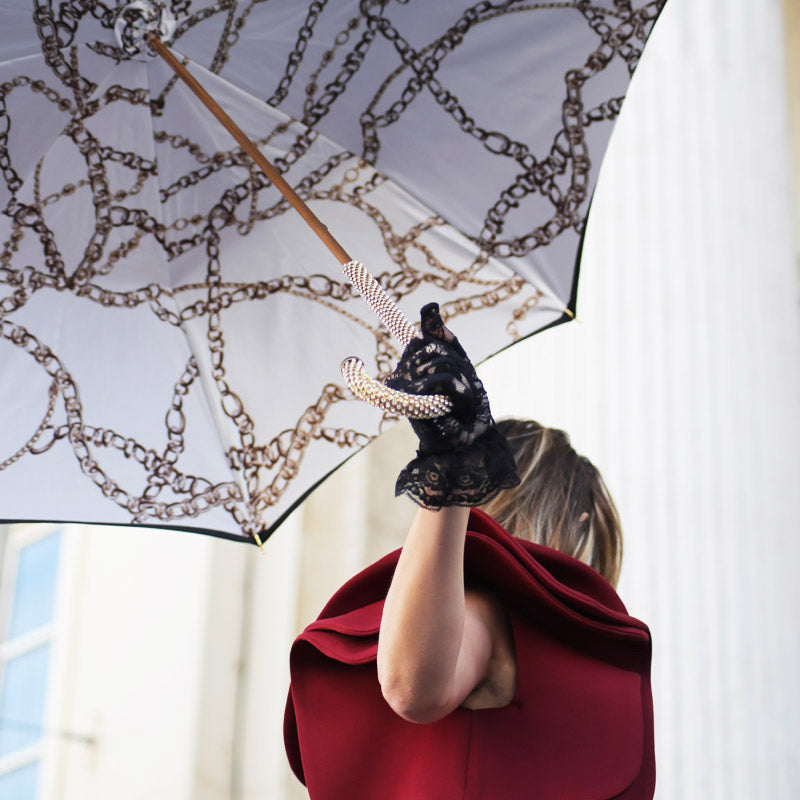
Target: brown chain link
point(201, 495)
point(58, 35)
point(536, 177)
point(29, 446)
point(296, 56)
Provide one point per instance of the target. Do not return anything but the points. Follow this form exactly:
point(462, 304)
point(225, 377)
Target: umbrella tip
point(141, 20)
point(258, 541)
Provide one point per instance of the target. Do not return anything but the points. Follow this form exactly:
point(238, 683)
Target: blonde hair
point(562, 501)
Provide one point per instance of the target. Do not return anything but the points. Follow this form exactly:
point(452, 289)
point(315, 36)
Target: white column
point(683, 385)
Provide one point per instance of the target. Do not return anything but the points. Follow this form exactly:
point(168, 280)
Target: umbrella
point(170, 330)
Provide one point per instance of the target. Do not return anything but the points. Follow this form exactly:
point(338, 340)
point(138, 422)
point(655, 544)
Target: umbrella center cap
point(137, 20)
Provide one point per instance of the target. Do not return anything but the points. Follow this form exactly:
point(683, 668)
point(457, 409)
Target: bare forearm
point(422, 630)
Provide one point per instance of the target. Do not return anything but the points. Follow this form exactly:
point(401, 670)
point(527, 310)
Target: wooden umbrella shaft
point(247, 145)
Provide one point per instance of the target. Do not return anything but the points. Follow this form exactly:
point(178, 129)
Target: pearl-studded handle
point(413, 406)
point(375, 297)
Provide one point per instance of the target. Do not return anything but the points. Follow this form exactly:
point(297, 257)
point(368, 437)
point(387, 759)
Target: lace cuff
point(464, 476)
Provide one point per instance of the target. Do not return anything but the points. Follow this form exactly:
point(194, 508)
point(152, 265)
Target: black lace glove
point(462, 460)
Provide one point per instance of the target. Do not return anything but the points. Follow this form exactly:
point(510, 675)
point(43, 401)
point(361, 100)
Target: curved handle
point(414, 406)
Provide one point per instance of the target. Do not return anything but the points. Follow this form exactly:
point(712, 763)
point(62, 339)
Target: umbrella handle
point(375, 297)
point(414, 406)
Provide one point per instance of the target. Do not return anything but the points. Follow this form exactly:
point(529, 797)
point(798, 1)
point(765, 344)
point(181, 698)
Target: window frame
point(13, 540)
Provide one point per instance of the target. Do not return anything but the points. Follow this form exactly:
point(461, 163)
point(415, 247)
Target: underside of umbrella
point(171, 330)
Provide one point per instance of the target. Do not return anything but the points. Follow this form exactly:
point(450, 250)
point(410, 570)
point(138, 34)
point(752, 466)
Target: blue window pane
point(23, 685)
point(19, 784)
point(34, 587)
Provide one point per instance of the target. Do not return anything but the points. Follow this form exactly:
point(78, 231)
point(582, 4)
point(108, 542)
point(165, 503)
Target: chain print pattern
point(175, 199)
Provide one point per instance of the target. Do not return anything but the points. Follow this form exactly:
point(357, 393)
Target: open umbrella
point(170, 330)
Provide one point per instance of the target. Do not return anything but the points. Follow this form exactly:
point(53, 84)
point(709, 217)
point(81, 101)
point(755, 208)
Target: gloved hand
point(462, 460)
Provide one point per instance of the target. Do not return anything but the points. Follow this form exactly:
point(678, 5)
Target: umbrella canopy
point(170, 330)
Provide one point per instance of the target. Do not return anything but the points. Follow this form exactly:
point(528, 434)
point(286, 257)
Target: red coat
point(580, 726)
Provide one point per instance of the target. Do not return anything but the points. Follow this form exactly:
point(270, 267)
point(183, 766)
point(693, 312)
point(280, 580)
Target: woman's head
point(561, 502)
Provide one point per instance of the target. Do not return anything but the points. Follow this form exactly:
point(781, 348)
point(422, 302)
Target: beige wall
point(791, 10)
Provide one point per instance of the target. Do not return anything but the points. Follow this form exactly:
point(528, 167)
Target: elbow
point(412, 703)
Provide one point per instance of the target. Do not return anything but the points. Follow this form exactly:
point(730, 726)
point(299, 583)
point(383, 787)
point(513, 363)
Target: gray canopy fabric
point(171, 332)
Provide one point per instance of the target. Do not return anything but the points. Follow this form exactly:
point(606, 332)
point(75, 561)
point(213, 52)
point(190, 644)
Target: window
point(27, 605)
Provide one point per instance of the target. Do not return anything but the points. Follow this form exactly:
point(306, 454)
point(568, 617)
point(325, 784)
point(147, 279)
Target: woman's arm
point(438, 643)
point(441, 646)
